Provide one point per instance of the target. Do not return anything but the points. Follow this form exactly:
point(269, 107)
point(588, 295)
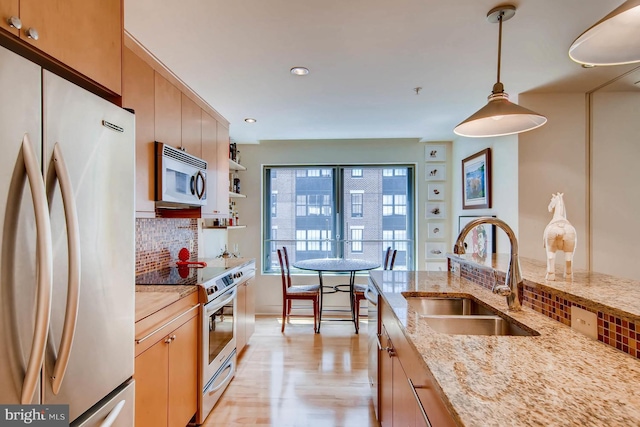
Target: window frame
point(339, 211)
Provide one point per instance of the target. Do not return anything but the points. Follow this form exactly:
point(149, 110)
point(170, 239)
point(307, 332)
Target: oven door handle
point(212, 389)
point(214, 305)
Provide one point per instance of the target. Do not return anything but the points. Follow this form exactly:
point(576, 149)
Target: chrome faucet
point(513, 280)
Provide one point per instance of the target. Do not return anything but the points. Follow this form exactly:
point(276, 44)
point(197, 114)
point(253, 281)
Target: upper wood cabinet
point(210, 154)
point(222, 170)
point(84, 35)
point(168, 112)
point(138, 82)
point(191, 127)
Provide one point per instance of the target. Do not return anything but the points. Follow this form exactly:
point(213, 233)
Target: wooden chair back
point(390, 258)
point(283, 259)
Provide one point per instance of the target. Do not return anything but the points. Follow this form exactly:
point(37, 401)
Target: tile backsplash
point(158, 241)
point(613, 330)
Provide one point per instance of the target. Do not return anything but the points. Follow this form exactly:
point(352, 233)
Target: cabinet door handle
point(138, 341)
point(415, 395)
point(32, 33)
point(173, 337)
point(14, 22)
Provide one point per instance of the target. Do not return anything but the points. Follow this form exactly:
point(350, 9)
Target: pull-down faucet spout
point(513, 280)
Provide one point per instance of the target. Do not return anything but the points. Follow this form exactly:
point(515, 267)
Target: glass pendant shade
point(614, 40)
point(498, 118)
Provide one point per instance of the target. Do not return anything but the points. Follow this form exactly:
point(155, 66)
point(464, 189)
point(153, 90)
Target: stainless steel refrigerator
point(67, 260)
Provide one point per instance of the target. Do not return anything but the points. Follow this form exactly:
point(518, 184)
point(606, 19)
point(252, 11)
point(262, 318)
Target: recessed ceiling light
point(299, 71)
point(250, 120)
point(588, 66)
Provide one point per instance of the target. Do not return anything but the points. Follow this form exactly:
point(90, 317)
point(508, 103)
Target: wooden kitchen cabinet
point(222, 170)
point(214, 207)
point(138, 86)
point(191, 127)
point(84, 35)
point(246, 314)
point(168, 112)
point(166, 365)
point(399, 405)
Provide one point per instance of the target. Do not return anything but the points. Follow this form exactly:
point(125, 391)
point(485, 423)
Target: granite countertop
point(601, 291)
point(558, 378)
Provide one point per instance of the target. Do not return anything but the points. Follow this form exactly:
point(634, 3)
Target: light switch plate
point(584, 322)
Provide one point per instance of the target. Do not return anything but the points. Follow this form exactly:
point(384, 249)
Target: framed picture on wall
point(476, 180)
point(435, 191)
point(435, 172)
point(436, 230)
point(435, 210)
point(435, 250)
point(480, 242)
point(435, 153)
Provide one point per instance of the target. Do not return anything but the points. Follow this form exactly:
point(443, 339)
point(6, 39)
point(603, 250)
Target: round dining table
point(337, 265)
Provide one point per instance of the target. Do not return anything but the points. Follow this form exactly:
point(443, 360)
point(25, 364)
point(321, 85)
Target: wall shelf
point(236, 166)
point(230, 227)
point(236, 195)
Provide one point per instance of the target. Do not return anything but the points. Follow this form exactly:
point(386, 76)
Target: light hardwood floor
point(299, 378)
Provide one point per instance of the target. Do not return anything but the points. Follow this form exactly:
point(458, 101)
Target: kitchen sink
point(447, 306)
point(475, 325)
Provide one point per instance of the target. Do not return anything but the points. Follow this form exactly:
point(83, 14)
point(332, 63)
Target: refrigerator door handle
point(59, 170)
point(44, 251)
point(113, 415)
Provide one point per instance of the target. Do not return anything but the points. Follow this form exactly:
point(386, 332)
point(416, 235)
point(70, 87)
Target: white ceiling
point(366, 57)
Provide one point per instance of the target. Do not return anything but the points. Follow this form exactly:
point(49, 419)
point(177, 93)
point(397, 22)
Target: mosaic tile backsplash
point(158, 241)
point(612, 330)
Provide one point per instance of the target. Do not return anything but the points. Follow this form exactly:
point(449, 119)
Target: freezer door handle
point(58, 170)
point(44, 250)
point(113, 415)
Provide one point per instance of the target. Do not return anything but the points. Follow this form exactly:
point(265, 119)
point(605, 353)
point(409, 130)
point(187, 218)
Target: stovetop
point(181, 276)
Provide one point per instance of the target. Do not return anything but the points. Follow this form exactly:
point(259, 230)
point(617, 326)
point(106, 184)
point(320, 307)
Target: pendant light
point(500, 116)
point(614, 40)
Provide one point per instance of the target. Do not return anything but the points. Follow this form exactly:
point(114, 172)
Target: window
point(356, 204)
point(318, 212)
point(356, 239)
point(274, 204)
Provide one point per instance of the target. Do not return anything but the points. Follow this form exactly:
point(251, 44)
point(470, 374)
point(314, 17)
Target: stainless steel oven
point(218, 349)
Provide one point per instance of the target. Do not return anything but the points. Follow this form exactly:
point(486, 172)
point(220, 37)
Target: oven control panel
point(221, 283)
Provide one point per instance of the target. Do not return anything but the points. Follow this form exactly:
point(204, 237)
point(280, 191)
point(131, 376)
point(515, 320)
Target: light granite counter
point(559, 378)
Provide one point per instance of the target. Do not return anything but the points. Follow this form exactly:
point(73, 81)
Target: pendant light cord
point(499, 43)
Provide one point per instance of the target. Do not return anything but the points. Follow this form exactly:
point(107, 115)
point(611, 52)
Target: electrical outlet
point(584, 322)
point(191, 245)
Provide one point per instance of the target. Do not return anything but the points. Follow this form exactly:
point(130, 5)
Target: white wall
point(615, 194)
point(504, 187)
point(249, 240)
point(553, 159)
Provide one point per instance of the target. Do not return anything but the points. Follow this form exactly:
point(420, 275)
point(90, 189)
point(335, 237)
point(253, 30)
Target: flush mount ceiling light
point(250, 120)
point(614, 40)
point(299, 71)
point(500, 116)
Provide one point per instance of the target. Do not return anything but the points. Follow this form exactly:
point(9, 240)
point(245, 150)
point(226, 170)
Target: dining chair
point(298, 292)
point(359, 290)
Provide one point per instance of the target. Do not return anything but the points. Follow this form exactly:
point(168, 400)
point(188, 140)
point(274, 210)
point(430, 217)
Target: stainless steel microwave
point(181, 179)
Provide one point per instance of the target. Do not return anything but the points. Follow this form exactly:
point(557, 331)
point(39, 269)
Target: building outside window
point(315, 210)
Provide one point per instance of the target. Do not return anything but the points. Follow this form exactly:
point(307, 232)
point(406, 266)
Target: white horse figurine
point(559, 234)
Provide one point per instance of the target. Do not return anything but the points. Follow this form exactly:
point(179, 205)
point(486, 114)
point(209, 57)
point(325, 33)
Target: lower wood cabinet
point(246, 314)
point(166, 366)
point(408, 397)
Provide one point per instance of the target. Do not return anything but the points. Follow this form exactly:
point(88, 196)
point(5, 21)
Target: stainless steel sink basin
point(475, 325)
point(447, 306)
